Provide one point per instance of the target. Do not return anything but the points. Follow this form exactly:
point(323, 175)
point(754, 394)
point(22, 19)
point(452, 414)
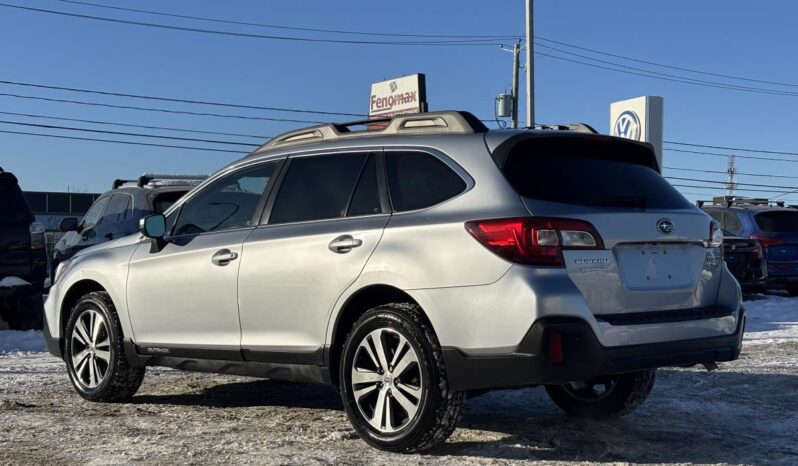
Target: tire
point(98, 369)
point(419, 410)
point(622, 394)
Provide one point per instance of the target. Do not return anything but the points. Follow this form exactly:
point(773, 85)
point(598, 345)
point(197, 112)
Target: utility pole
point(516, 66)
point(530, 66)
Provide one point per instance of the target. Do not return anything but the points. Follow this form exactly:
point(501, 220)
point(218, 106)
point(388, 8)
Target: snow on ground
point(9, 282)
point(771, 318)
point(743, 413)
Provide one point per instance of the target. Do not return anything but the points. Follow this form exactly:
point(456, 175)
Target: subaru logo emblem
point(627, 126)
point(665, 226)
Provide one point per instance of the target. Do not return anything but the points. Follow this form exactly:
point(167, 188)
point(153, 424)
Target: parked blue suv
point(773, 225)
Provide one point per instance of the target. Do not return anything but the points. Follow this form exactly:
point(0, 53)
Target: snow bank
point(13, 341)
point(9, 282)
point(771, 318)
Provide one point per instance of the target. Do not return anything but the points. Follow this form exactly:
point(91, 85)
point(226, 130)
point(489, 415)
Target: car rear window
point(13, 207)
point(591, 172)
point(778, 221)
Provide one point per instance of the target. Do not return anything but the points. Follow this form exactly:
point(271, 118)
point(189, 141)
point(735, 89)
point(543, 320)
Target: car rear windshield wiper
point(623, 201)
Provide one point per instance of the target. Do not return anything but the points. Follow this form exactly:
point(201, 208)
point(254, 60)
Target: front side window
point(321, 187)
point(93, 215)
point(417, 180)
point(227, 204)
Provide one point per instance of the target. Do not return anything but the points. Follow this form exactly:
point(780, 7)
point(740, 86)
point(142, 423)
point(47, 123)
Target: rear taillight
point(765, 241)
point(534, 240)
point(36, 235)
point(715, 235)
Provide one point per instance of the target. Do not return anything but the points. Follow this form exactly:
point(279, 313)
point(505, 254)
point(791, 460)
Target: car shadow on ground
point(690, 417)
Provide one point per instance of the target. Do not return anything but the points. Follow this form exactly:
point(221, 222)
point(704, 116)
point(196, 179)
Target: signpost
point(407, 94)
point(639, 119)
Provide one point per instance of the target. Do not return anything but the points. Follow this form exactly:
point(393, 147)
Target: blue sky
point(753, 40)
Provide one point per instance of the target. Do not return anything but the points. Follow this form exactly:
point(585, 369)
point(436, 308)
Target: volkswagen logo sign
point(627, 126)
point(665, 225)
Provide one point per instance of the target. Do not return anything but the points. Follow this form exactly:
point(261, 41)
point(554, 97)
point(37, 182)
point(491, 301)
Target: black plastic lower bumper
point(584, 357)
point(53, 344)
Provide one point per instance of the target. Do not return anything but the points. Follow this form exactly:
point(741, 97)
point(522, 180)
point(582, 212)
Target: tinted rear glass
point(13, 207)
point(589, 172)
point(417, 180)
point(778, 221)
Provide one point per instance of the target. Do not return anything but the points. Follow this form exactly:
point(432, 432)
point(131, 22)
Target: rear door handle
point(344, 244)
point(223, 257)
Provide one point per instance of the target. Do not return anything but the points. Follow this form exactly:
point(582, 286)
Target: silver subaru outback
point(409, 265)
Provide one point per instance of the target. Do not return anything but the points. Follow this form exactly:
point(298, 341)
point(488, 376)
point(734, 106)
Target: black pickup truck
point(23, 259)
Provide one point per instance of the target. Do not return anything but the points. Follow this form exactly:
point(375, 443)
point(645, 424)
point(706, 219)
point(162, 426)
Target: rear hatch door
point(655, 255)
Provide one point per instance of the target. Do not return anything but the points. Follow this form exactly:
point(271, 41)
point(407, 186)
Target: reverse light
point(534, 240)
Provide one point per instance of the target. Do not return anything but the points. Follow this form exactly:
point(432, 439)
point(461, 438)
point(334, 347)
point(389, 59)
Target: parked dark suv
point(117, 213)
point(23, 260)
point(774, 226)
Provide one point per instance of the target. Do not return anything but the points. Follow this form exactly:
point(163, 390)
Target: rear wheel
point(393, 382)
point(603, 397)
point(94, 353)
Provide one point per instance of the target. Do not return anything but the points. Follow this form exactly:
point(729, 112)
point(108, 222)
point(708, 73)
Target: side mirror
point(68, 224)
point(154, 227)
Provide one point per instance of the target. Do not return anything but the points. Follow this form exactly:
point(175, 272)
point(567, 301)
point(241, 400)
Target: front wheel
point(603, 397)
point(393, 382)
point(94, 353)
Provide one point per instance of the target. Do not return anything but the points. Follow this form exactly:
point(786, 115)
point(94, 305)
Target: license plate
point(655, 267)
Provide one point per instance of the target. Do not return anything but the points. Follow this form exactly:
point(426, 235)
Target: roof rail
point(577, 127)
point(447, 122)
point(159, 179)
point(730, 201)
point(119, 182)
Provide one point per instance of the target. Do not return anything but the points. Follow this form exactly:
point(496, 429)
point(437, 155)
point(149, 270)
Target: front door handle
point(223, 257)
point(344, 244)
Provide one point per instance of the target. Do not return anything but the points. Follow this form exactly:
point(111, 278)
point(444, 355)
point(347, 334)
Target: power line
point(150, 109)
point(660, 75)
point(760, 151)
point(772, 159)
point(707, 73)
point(723, 172)
point(123, 133)
point(724, 182)
point(664, 78)
point(442, 43)
point(721, 189)
point(176, 100)
point(129, 125)
point(132, 143)
point(293, 28)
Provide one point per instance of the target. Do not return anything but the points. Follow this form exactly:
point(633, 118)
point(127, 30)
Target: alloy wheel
point(91, 349)
point(386, 380)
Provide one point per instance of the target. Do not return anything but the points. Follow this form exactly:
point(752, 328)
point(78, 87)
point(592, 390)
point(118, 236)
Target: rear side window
point(418, 180)
point(778, 221)
point(13, 207)
point(589, 172)
point(317, 188)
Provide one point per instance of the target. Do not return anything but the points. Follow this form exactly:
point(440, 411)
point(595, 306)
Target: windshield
point(782, 221)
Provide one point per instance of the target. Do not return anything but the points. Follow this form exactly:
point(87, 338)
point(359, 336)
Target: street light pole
point(530, 66)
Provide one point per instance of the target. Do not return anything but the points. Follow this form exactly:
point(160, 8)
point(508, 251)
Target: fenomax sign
point(639, 119)
point(407, 94)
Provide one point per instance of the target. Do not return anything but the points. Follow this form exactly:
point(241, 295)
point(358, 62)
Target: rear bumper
point(584, 357)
